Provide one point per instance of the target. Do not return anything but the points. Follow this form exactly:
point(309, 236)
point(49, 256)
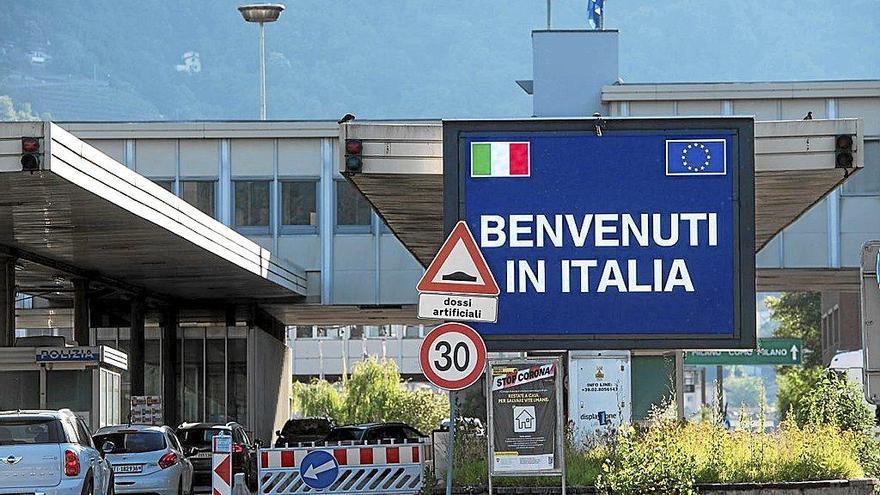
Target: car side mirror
point(108, 447)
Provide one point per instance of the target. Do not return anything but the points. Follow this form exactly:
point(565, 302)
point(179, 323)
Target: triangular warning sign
point(459, 267)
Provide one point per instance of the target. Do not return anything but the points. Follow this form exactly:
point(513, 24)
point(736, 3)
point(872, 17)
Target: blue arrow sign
point(319, 469)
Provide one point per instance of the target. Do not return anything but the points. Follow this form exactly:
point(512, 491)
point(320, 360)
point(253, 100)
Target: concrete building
point(214, 337)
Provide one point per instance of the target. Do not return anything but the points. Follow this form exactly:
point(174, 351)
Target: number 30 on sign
point(453, 356)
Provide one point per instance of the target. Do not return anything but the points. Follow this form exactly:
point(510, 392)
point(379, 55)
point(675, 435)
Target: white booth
point(85, 380)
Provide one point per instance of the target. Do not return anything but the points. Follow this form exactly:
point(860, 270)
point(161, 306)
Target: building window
point(352, 210)
point(355, 332)
point(167, 184)
point(327, 332)
point(304, 332)
point(412, 332)
point(867, 181)
point(199, 193)
point(299, 206)
point(251, 204)
point(379, 331)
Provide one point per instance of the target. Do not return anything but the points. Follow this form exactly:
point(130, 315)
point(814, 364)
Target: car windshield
point(344, 435)
point(306, 427)
point(199, 438)
point(132, 442)
point(22, 431)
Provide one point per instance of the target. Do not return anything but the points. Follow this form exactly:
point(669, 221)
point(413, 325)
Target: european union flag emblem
point(696, 157)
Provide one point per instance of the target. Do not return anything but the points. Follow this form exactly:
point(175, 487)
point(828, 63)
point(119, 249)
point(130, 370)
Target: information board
point(641, 237)
point(525, 417)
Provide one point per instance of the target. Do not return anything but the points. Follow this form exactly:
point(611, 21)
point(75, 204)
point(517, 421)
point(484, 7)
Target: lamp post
point(262, 13)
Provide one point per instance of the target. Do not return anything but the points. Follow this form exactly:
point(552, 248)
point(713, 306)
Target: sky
point(409, 58)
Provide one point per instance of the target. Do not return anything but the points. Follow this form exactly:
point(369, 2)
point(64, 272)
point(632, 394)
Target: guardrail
point(352, 469)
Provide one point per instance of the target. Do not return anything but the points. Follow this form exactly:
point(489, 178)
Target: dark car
point(374, 432)
point(305, 430)
point(196, 439)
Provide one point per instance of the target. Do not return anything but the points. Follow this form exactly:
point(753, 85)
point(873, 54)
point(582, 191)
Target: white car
point(146, 459)
point(51, 453)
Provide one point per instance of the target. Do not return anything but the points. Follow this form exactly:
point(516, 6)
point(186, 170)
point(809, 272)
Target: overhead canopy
point(86, 215)
point(403, 174)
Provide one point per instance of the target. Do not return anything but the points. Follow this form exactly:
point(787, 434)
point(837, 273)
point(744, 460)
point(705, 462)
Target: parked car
point(50, 452)
point(303, 430)
point(374, 432)
point(196, 441)
point(146, 459)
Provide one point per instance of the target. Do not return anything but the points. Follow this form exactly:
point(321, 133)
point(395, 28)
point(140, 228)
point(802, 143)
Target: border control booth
point(113, 265)
point(43, 373)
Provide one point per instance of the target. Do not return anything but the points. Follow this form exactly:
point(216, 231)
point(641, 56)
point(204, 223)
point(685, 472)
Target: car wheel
point(88, 487)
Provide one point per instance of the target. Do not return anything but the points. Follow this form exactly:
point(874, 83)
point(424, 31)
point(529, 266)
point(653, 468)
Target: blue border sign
point(641, 237)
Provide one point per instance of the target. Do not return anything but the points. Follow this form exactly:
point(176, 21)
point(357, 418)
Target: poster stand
point(532, 388)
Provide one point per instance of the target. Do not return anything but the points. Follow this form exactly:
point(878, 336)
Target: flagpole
point(548, 15)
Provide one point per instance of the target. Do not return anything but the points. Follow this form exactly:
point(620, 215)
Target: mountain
point(191, 59)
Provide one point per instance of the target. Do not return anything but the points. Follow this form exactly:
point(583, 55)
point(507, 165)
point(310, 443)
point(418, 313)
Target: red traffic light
point(30, 145)
point(354, 147)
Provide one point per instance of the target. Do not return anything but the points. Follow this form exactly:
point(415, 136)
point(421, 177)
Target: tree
point(741, 389)
point(8, 111)
point(793, 386)
point(374, 393)
point(799, 315)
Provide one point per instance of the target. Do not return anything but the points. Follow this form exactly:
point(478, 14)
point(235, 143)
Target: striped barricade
point(386, 468)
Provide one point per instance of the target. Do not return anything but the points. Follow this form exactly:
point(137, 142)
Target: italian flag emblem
point(500, 159)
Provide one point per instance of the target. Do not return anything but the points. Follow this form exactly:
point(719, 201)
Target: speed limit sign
point(453, 356)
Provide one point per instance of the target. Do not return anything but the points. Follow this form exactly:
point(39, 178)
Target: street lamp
point(262, 13)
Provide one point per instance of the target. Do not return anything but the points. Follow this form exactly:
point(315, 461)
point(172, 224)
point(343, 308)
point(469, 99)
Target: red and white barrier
point(345, 456)
point(221, 465)
point(362, 469)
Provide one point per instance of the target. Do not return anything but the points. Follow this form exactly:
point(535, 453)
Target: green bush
point(671, 457)
point(833, 400)
point(373, 393)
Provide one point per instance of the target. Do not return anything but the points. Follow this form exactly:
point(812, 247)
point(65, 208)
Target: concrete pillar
point(136, 348)
point(81, 319)
point(169, 366)
point(7, 301)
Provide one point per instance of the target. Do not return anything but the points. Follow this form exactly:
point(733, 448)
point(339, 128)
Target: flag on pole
point(595, 12)
point(500, 159)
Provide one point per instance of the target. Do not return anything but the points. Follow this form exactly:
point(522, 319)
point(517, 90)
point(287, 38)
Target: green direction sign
point(769, 351)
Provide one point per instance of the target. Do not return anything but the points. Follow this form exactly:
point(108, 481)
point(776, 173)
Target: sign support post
point(450, 448)
point(452, 357)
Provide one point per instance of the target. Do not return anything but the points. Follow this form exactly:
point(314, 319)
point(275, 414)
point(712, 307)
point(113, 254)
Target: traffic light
point(354, 161)
point(30, 154)
point(843, 151)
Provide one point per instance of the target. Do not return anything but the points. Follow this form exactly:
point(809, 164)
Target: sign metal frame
point(744, 336)
point(559, 468)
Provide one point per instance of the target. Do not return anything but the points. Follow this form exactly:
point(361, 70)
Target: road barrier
point(381, 468)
